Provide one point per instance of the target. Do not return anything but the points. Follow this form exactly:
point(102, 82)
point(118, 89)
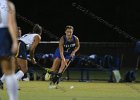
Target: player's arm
point(12, 25)
point(37, 39)
point(61, 49)
point(77, 47)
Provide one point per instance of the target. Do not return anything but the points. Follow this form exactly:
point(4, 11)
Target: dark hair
point(37, 29)
point(69, 27)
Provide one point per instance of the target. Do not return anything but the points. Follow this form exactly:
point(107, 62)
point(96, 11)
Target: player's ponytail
point(37, 29)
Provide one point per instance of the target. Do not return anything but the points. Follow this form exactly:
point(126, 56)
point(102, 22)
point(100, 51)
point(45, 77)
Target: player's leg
point(57, 61)
point(23, 68)
point(59, 74)
point(53, 70)
point(10, 78)
point(2, 79)
point(62, 66)
point(56, 64)
point(21, 60)
point(55, 67)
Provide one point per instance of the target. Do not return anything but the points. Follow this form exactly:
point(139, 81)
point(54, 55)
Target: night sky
point(54, 15)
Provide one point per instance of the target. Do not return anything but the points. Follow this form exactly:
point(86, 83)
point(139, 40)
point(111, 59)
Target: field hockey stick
point(68, 63)
point(37, 64)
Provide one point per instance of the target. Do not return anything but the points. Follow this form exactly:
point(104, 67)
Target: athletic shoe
point(52, 87)
point(26, 79)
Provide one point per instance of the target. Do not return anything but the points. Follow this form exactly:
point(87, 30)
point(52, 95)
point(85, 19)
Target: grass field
point(82, 91)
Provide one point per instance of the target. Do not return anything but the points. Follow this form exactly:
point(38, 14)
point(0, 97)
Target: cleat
point(52, 87)
point(26, 79)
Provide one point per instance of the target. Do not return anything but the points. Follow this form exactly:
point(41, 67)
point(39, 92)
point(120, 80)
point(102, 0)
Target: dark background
point(54, 15)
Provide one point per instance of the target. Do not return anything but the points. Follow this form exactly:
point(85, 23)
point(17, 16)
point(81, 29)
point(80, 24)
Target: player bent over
point(68, 46)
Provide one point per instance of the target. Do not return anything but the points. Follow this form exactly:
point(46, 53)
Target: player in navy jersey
point(68, 46)
point(8, 46)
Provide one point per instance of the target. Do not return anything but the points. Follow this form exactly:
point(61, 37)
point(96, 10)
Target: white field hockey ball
point(71, 87)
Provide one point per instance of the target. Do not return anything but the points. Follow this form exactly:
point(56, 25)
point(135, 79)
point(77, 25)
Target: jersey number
point(24, 36)
point(68, 50)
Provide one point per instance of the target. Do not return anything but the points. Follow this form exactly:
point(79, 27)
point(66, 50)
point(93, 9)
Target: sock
point(19, 74)
point(55, 78)
point(12, 86)
point(59, 74)
point(3, 78)
point(25, 76)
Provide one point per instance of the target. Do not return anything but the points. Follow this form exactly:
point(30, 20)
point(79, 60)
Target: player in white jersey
point(8, 46)
point(27, 42)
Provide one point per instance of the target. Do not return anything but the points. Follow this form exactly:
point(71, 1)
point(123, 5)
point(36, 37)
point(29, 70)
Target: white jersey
point(28, 39)
point(3, 13)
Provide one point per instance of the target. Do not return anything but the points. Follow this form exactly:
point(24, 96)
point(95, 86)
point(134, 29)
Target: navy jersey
point(69, 46)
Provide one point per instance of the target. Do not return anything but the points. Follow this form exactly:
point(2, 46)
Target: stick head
point(47, 77)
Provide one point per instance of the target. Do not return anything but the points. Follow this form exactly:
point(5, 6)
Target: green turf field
point(82, 91)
